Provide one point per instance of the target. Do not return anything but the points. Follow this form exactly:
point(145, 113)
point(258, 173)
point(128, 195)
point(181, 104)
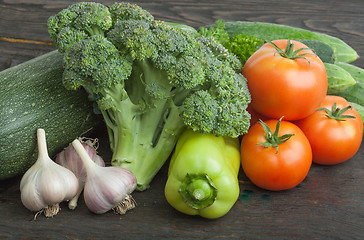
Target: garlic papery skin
point(106, 188)
point(70, 159)
point(110, 188)
point(46, 184)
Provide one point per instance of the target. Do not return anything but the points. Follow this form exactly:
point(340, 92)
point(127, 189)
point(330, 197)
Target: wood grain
point(328, 204)
point(26, 19)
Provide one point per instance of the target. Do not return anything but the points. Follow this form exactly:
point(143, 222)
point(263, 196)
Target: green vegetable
point(356, 72)
point(216, 31)
point(242, 45)
point(203, 175)
point(338, 78)
point(323, 50)
point(32, 97)
point(271, 31)
point(359, 109)
point(150, 80)
point(354, 94)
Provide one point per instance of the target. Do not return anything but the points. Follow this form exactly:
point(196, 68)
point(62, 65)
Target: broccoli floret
point(125, 11)
point(78, 22)
point(150, 81)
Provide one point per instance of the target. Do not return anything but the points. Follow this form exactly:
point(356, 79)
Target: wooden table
point(328, 204)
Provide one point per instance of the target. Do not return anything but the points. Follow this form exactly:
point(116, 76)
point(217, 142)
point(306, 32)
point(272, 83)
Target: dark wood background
point(328, 204)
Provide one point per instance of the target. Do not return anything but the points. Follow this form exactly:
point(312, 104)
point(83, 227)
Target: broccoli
point(150, 81)
point(242, 45)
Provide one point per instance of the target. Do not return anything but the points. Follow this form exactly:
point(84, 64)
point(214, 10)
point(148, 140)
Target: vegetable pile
point(291, 90)
point(150, 81)
point(269, 98)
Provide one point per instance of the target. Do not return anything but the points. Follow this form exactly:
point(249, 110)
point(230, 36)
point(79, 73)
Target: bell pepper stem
point(198, 190)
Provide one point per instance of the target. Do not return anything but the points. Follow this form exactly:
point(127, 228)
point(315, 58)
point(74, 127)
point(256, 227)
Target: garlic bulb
point(46, 184)
point(70, 159)
point(106, 188)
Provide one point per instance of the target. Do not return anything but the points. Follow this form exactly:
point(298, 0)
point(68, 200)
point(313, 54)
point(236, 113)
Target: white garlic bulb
point(106, 188)
point(70, 159)
point(46, 184)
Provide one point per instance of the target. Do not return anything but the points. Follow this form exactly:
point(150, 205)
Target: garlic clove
point(57, 183)
point(46, 183)
point(106, 188)
point(30, 200)
point(70, 159)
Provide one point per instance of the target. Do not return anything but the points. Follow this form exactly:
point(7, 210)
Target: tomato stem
point(289, 52)
point(272, 139)
point(336, 113)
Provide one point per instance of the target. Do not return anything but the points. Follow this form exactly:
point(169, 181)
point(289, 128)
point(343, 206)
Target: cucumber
point(33, 96)
point(359, 109)
point(354, 93)
point(323, 50)
point(338, 78)
point(271, 31)
point(356, 72)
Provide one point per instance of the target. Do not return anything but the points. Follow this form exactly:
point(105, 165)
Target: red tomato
point(281, 86)
point(333, 141)
point(272, 170)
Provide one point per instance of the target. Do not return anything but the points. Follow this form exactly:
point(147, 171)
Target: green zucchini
point(338, 78)
point(33, 96)
point(271, 31)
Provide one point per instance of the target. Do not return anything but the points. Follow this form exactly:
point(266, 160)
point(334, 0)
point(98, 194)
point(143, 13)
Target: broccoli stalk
point(131, 144)
point(150, 81)
point(147, 134)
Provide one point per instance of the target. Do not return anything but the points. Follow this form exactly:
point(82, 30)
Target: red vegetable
point(275, 156)
point(285, 82)
point(335, 131)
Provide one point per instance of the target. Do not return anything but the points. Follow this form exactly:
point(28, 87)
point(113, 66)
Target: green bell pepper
point(203, 175)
